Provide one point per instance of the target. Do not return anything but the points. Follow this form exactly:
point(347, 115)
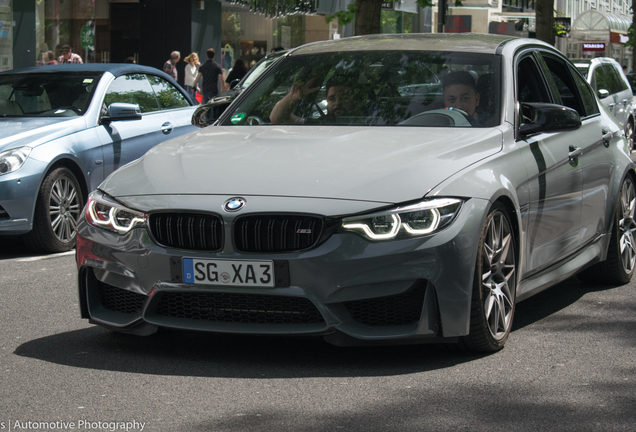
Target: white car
point(609, 82)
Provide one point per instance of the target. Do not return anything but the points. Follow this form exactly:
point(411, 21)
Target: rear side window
point(169, 96)
point(134, 89)
point(619, 82)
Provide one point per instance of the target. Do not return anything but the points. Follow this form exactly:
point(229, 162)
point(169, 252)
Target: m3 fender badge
point(234, 204)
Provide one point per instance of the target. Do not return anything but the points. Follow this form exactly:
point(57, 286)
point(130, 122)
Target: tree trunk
point(368, 13)
point(545, 21)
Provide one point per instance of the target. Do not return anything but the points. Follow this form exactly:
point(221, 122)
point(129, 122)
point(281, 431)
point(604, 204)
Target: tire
point(495, 285)
point(618, 267)
point(57, 211)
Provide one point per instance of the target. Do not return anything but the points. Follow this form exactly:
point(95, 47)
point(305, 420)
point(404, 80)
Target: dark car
point(398, 213)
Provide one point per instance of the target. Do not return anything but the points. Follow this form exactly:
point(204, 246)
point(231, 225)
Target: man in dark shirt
point(212, 77)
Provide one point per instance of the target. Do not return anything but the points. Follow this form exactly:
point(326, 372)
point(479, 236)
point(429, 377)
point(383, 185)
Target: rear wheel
point(495, 285)
point(57, 210)
point(618, 267)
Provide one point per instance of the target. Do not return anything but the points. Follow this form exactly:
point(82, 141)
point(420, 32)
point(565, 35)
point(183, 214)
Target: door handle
point(606, 137)
point(166, 128)
point(574, 153)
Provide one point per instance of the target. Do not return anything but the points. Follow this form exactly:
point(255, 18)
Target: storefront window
point(69, 22)
point(6, 36)
point(249, 36)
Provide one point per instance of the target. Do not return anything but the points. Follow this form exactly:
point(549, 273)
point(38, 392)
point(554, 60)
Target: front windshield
point(376, 88)
point(258, 69)
point(63, 94)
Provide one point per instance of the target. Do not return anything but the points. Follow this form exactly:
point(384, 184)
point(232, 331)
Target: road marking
point(43, 257)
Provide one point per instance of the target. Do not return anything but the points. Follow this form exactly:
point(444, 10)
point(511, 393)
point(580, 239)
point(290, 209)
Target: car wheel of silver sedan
point(495, 285)
point(57, 211)
point(618, 267)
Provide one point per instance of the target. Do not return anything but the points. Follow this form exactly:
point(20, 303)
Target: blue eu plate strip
point(188, 270)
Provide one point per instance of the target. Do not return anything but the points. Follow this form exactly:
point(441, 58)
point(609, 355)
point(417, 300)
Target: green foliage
point(344, 17)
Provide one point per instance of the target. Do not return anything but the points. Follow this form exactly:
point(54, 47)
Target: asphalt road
point(569, 366)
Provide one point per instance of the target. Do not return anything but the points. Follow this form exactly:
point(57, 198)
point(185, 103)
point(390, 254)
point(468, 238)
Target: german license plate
point(228, 273)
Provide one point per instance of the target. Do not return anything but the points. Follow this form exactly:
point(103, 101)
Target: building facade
point(32, 31)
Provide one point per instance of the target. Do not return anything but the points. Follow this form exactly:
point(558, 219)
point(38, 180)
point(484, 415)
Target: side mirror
point(544, 117)
point(207, 113)
point(234, 83)
point(119, 111)
point(602, 93)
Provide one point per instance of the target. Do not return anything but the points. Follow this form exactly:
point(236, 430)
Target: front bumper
point(347, 288)
point(18, 194)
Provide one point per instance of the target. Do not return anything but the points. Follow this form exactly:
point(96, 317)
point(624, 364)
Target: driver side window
point(134, 89)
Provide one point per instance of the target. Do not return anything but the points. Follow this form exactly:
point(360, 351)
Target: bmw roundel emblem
point(234, 204)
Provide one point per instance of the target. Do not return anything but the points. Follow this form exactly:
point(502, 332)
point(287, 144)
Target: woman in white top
point(191, 71)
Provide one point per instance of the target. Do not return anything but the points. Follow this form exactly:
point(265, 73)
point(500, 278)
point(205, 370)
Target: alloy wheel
point(64, 209)
point(498, 276)
point(627, 226)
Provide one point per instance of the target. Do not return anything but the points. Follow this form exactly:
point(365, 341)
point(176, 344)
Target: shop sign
point(593, 46)
point(618, 38)
point(388, 5)
point(458, 24)
point(87, 37)
point(504, 28)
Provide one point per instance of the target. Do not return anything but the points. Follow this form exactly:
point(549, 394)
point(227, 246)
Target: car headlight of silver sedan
point(423, 218)
point(104, 212)
point(12, 160)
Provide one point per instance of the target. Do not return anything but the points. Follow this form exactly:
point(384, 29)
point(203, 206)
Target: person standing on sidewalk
point(191, 72)
point(68, 56)
point(170, 67)
point(212, 77)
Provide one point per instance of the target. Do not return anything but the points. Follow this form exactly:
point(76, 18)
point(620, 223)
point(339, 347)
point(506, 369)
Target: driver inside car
point(341, 101)
point(460, 92)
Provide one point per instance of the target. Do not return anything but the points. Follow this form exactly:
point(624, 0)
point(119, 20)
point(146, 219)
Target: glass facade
point(6, 36)
point(69, 22)
point(109, 31)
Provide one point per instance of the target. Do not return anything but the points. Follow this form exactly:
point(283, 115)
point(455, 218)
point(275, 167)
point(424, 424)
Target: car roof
point(594, 60)
point(116, 69)
point(465, 42)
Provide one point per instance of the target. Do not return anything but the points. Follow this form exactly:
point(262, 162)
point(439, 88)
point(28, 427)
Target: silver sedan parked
point(377, 189)
point(612, 87)
point(64, 129)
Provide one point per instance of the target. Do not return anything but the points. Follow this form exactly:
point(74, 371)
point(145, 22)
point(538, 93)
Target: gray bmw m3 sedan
point(380, 189)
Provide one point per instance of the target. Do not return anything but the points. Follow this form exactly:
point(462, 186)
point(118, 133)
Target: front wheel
point(495, 285)
point(57, 211)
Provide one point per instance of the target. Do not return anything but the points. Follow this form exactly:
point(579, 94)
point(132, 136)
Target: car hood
point(33, 131)
point(381, 164)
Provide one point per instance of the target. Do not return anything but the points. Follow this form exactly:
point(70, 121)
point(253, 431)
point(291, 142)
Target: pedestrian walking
point(68, 56)
point(170, 67)
point(237, 73)
point(212, 75)
point(191, 71)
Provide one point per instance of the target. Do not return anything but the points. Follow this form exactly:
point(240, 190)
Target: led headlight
point(12, 160)
point(106, 213)
point(414, 220)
